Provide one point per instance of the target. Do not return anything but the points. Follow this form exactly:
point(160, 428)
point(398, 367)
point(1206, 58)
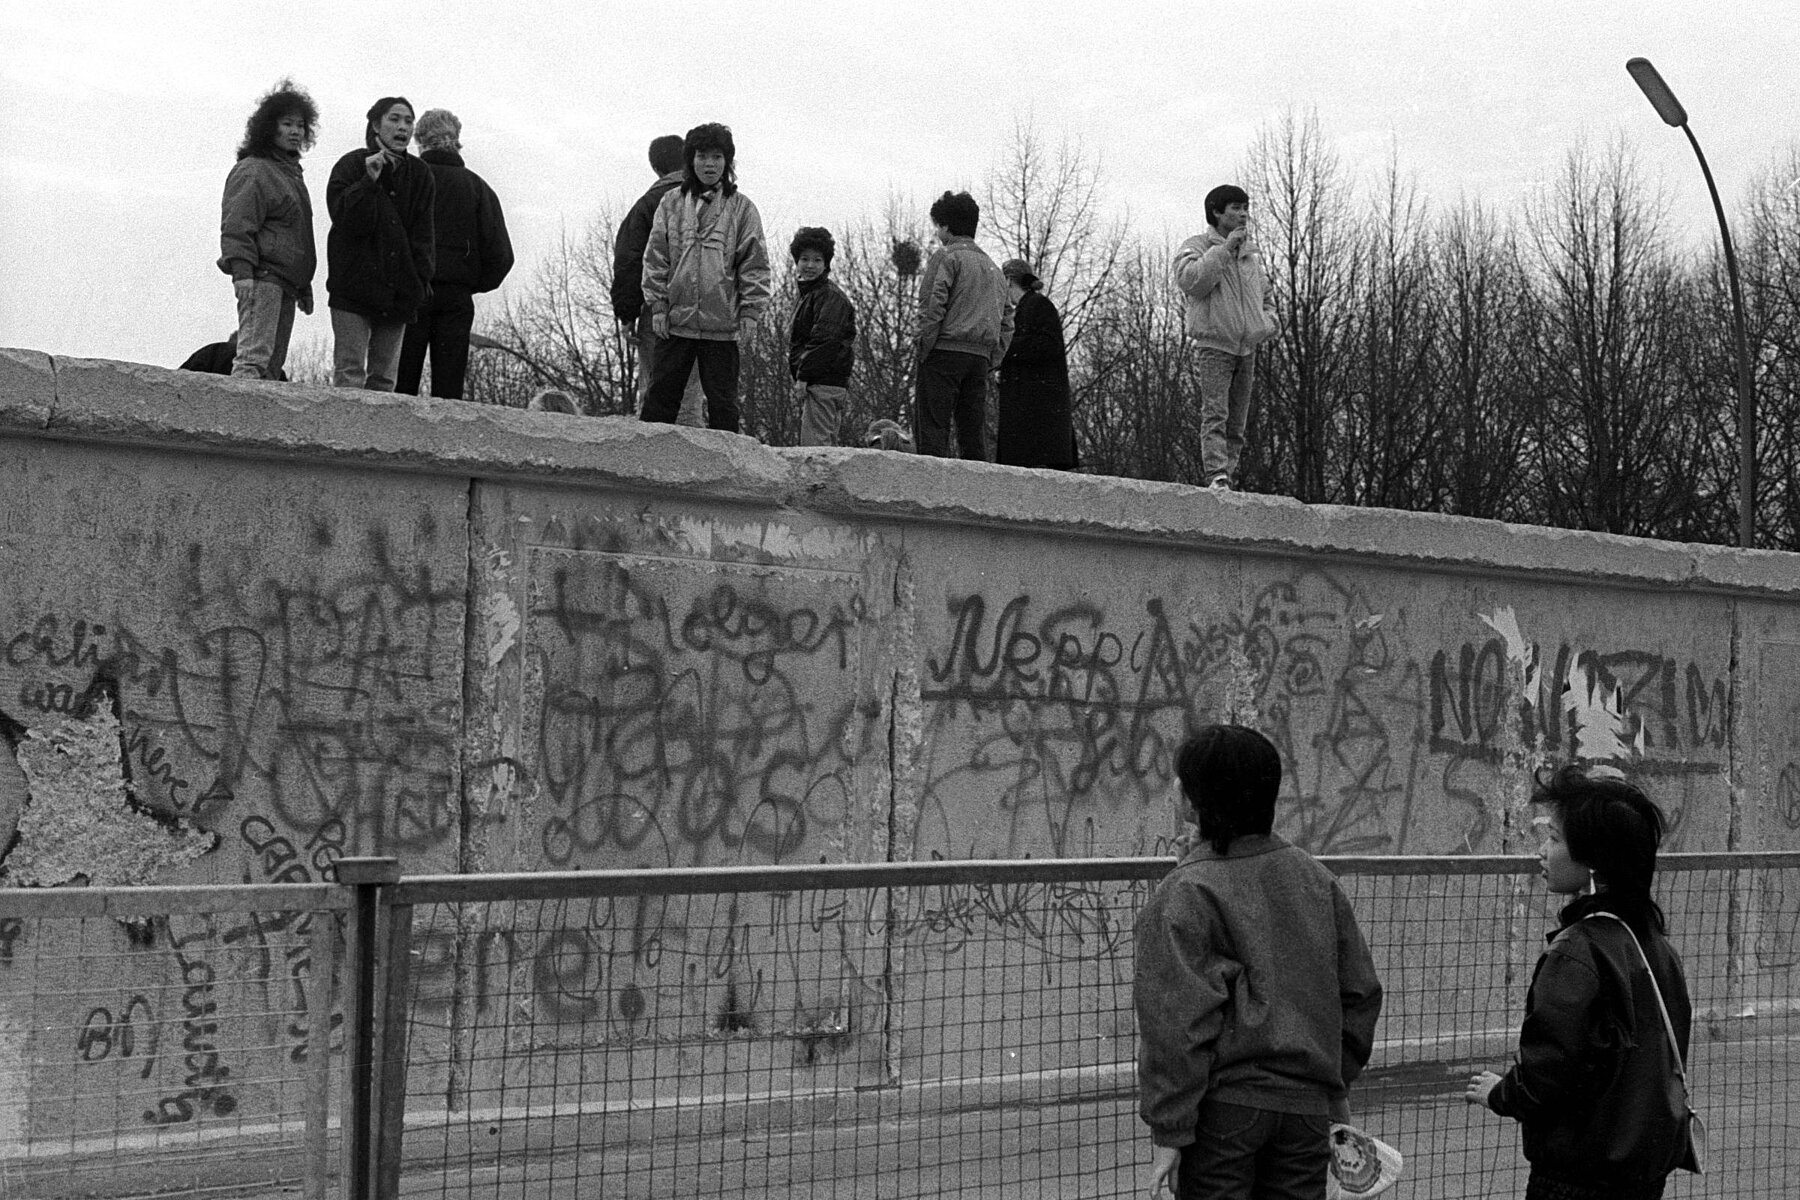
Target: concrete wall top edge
point(110, 402)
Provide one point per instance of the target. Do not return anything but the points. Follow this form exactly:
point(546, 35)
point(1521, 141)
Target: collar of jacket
point(1245, 845)
point(448, 158)
point(813, 285)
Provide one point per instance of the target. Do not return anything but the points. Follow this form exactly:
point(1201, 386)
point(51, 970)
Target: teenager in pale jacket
point(706, 280)
point(1225, 295)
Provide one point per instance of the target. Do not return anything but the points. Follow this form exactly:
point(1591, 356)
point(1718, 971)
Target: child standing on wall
point(821, 340)
point(1607, 1016)
point(706, 280)
point(1225, 297)
point(1256, 995)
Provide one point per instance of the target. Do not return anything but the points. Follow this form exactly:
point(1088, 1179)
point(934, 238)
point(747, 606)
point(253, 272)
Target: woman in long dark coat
point(1035, 427)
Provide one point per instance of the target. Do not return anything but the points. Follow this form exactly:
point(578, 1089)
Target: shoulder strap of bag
point(1668, 1025)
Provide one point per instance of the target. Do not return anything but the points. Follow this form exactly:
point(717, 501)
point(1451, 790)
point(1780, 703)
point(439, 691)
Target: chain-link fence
point(966, 1028)
point(157, 1040)
point(891, 1030)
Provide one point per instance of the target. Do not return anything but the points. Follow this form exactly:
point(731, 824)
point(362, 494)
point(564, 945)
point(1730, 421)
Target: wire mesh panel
point(152, 1043)
point(966, 1029)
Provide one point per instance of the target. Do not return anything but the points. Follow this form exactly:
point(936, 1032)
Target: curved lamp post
point(1669, 109)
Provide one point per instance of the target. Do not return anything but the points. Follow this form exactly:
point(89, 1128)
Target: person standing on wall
point(1228, 315)
point(821, 339)
point(706, 280)
point(965, 324)
point(1035, 428)
point(473, 255)
point(266, 230)
point(381, 249)
point(628, 277)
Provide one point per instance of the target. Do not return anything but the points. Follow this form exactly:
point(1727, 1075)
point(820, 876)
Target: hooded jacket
point(1225, 298)
point(964, 303)
point(1592, 1086)
point(473, 250)
point(706, 264)
point(628, 249)
point(822, 338)
point(266, 223)
point(381, 252)
point(1253, 986)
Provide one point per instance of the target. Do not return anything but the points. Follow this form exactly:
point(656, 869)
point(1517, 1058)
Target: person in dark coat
point(473, 256)
point(1035, 428)
point(628, 277)
point(381, 252)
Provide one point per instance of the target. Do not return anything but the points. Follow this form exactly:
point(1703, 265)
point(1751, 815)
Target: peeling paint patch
point(80, 822)
point(500, 616)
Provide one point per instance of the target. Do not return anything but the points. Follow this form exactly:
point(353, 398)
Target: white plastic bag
point(1361, 1164)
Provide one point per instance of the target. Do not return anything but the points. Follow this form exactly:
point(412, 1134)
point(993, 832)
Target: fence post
point(367, 876)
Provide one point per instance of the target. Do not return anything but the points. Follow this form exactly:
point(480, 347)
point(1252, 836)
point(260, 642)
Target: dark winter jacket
point(822, 339)
point(1591, 1088)
point(266, 223)
point(381, 250)
point(473, 250)
point(1253, 986)
point(1035, 428)
point(628, 250)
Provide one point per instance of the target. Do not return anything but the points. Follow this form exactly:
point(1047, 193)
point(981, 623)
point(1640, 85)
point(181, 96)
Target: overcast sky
point(119, 121)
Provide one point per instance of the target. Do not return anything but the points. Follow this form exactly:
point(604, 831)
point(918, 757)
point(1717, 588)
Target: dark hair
point(1231, 775)
point(665, 153)
point(285, 99)
point(957, 212)
point(379, 110)
point(813, 237)
point(1611, 828)
point(711, 136)
point(1221, 198)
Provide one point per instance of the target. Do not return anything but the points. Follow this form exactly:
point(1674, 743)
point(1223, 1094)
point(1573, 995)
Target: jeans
point(693, 399)
point(677, 356)
point(265, 323)
point(952, 387)
point(1242, 1153)
point(821, 412)
point(364, 354)
point(442, 327)
point(1225, 381)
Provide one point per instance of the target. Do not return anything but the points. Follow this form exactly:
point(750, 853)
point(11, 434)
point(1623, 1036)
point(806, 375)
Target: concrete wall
point(344, 623)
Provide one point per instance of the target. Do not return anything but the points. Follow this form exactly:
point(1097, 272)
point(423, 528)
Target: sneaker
point(1220, 483)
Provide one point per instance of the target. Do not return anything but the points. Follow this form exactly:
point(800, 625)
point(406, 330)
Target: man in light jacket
point(965, 326)
point(1225, 294)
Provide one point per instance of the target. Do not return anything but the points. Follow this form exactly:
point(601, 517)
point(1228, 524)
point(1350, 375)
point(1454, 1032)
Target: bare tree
point(1607, 323)
point(1045, 204)
point(1301, 200)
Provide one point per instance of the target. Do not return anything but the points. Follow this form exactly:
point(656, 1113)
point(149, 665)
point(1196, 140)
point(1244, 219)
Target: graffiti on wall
point(1066, 719)
point(693, 715)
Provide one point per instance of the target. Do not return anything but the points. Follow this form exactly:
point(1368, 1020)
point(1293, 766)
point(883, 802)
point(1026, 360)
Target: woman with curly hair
point(266, 229)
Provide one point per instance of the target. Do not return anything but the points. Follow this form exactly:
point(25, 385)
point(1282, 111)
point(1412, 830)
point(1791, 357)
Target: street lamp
point(1669, 109)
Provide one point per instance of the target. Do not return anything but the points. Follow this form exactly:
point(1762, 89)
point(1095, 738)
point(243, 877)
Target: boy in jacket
point(1225, 295)
point(821, 340)
point(628, 277)
point(1255, 993)
point(381, 252)
point(965, 325)
point(706, 280)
